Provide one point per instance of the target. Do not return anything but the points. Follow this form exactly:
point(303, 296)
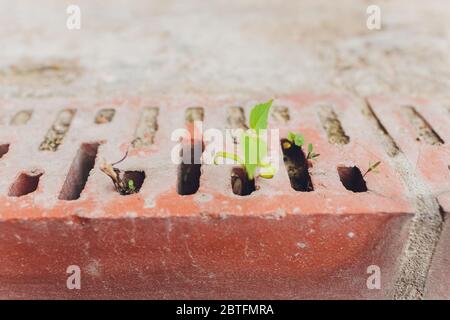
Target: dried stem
point(117, 177)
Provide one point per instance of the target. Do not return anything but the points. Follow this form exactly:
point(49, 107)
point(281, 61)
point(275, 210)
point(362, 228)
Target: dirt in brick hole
point(58, 130)
point(424, 130)
point(280, 114)
point(146, 129)
point(104, 116)
point(332, 125)
point(297, 166)
point(188, 178)
point(37, 74)
point(189, 173)
point(240, 183)
point(21, 118)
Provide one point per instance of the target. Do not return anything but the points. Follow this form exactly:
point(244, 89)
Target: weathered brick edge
point(425, 170)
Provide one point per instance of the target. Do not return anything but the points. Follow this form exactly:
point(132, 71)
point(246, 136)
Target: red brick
point(275, 243)
point(432, 163)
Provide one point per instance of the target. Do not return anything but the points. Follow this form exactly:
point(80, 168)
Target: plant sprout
point(372, 168)
point(299, 140)
point(311, 154)
point(131, 185)
point(296, 138)
point(253, 145)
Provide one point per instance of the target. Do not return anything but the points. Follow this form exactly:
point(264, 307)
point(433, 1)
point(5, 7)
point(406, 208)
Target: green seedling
point(299, 140)
point(253, 145)
point(296, 139)
point(131, 185)
point(372, 168)
point(311, 154)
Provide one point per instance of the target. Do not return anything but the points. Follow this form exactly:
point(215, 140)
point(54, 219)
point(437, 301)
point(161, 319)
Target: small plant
point(131, 186)
point(296, 138)
point(254, 147)
point(299, 140)
point(122, 184)
point(372, 168)
point(311, 154)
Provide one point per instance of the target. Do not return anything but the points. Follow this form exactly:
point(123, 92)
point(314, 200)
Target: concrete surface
point(219, 47)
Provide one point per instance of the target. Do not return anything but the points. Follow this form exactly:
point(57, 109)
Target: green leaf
point(259, 115)
point(131, 185)
point(254, 149)
point(291, 136)
point(252, 144)
point(267, 171)
point(250, 168)
point(310, 148)
point(376, 164)
point(299, 140)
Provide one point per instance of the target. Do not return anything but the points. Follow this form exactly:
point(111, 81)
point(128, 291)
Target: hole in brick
point(4, 148)
point(392, 147)
point(333, 127)
point(79, 171)
point(137, 177)
point(280, 114)
point(236, 120)
point(58, 130)
point(352, 179)
point(146, 129)
point(104, 116)
point(240, 183)
point(189, 170)
point(296, 166)
point(26, 182)
point(424, 130)
point(194, 114)
point(21, 117)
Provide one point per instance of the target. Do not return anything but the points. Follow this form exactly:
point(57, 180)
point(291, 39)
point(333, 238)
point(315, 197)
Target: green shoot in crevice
point(372, 168)
point(253, 145)
point(299, 140)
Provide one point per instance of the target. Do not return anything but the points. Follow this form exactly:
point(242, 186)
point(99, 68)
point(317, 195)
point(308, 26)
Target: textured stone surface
point(245, 47)
point(438, 283)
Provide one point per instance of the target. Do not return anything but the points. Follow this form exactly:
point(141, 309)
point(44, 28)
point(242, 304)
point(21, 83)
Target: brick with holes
point(276, 242)
point(421, 129)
